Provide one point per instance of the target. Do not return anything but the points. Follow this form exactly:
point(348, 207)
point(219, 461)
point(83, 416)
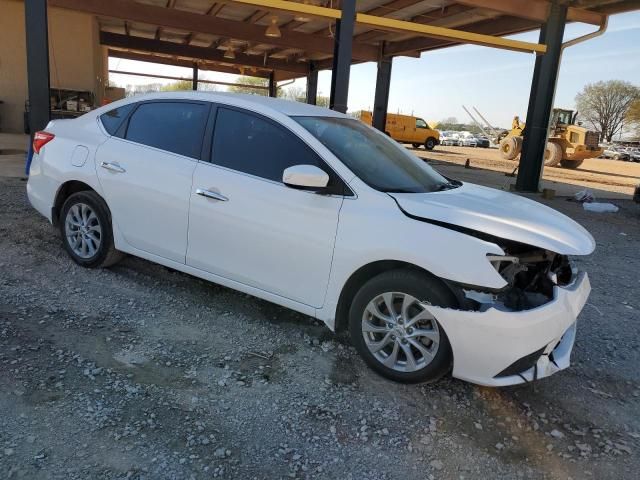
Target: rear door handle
point(212, 195)
point(112, 167)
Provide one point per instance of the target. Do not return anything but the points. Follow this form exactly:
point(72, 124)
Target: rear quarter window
point(176, 127)
point(112, 120)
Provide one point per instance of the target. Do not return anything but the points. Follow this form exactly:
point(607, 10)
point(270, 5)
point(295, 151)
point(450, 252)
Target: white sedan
point(317, 212)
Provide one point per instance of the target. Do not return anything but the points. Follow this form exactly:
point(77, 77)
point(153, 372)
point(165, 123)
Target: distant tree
point(131, 90)
point(252, 81)
point(299, 94)
point(451, 123)
point(178, 86)
point(294, 92)
point(604, 105)
point(322, 101)
point(208, 87)
point(633, 117)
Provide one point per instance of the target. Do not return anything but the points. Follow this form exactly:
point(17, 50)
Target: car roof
point(258, 103)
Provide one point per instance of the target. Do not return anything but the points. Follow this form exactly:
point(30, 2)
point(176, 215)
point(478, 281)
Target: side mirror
point(305, 177)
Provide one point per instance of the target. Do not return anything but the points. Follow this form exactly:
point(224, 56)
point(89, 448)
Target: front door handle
point(212, 195)
point(112, 167)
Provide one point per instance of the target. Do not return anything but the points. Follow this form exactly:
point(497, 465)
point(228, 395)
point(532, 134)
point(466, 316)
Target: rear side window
point(176, 127)
point(253, 145)
point(114, 118)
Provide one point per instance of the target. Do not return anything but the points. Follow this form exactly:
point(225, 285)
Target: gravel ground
point(142, 372)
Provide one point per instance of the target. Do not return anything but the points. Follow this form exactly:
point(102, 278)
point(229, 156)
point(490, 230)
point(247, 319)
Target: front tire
point(430, 143)
point(85, 228)
point(510, 147)
point(394, 333)
point(552, 155)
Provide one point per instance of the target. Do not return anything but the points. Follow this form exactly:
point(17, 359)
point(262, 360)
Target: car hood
point(502, 215)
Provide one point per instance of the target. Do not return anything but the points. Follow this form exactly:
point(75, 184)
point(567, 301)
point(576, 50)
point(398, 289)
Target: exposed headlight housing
point(531, 275)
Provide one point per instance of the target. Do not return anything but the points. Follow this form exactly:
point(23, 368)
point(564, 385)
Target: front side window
point(377, 160)
point(420, 123)
point(176, 127)
point(250, 144)
point(114, 118)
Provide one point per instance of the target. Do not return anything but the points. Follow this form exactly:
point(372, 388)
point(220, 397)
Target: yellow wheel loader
point(568, 145)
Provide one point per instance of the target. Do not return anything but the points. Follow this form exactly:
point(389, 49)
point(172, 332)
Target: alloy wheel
point(82, 230)
point(400, 332)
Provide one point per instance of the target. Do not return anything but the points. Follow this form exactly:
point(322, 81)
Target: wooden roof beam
point(202, 53)
point(537, 10)
point(402, 26)
point(196, 23)
point(458, 36)
point(170, 4)
point(501, 26)
point(202, 65)
point(437, 16)
point(215, 9)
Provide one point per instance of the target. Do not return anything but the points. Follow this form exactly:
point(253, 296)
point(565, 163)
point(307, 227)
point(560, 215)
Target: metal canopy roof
point(184, 32)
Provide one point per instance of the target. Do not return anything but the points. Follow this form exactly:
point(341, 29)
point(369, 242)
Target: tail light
point(40, 139)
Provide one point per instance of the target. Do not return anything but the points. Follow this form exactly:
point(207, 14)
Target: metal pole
point(312, 84)
point(486, 122)
point(194, 78)
point(184, 79)
point(475, 121)
point(273, 88)
point(381, 101)
point(37, 37)
point(342, 57)
point(543, 85)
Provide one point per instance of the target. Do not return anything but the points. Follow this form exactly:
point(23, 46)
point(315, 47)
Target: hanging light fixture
point(273, 30)
point(301, 17)
point(230, 54)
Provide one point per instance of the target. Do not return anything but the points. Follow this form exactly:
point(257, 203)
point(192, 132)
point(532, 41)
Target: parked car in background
point(615, 153)
point(482, 141)
point(315, 211)
point(634, 153)
point(450, 139)
point(467, 139)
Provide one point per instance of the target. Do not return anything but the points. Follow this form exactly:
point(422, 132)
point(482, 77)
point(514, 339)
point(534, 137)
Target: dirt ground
point(142, 372)
point(595, 173)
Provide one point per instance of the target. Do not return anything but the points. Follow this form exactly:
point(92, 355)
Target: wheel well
point(66, 190)
point(361, 276)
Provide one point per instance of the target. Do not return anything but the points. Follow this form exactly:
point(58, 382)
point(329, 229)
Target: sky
point(496, 82)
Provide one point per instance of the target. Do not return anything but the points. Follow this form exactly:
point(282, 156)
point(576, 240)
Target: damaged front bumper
point(490, 346)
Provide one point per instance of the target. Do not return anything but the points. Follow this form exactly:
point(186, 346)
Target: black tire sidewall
point(430, 144)
point(101, 210)
point(420, 286)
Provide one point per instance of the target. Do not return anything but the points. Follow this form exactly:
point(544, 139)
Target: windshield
point(564, 117)
point(376, 159)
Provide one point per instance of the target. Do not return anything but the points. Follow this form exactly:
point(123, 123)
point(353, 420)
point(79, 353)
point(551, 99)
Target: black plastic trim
point(522, 364)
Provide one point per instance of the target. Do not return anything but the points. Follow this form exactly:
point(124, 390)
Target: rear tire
point(571, 164)
point(510, 147)
point(413, 350)
point(430, 143)
point(415, 145)
point(552, 155)
point(85, 228)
